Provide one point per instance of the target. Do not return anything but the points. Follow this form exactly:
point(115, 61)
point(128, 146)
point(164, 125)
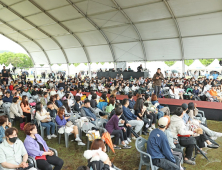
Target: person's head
point(191, 106)
point(139, 104)
point(11, 135)
point(78, 98)
point(61, 89)
point(57, 96)
point(158, 70)
point(38, 107)
point(153, 97)
point(98, 144)
point(25, 100)
point(147, 97)
point(30, 129)
point(103, 96)
point(171, 87)
point(119, 111)
point(49, 105)
point(130, 95)
point(179, 111)
point(61, 112)
point(86, 103)
point(52, 89)
point(7, 93)
point(168, 123)
point(184, 107)
point(112, 101)
point(125, 102)
point(66, 105)
point(3, 120)
point(162, 123)
point(79, 91)
point(94, 96)
point(52, 98)
point(15, 100)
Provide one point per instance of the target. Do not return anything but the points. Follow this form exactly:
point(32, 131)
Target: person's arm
point(167, 151)
point(83, 114)
point(12, 109)
point(115, 123)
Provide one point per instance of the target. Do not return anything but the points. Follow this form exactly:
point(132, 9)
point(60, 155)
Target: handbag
point(69, 123)
point(184, 141)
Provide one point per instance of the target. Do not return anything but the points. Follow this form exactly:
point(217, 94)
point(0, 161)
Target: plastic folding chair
point(145, 158)
point(85, 128)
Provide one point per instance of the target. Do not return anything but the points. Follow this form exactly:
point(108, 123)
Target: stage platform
point(212, 110)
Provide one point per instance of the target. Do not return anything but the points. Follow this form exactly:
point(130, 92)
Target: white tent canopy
point(196, 65)
point(82, 31)
point(214, 65)
point(178, 66)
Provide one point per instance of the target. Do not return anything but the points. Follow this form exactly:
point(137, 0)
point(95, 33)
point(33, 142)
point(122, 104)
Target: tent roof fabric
point(75, 31)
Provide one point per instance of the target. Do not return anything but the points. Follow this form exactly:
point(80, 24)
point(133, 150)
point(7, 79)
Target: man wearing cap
point(157, 79)
point(159, 148)
point(60, 92)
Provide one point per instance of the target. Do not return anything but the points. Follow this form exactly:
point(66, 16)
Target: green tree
point(76, 64)
point(59, 64)
point(86, 64)
point(169, 63)
point(41, 65)
point(188, 62)
point(206, 62)
point(102, 63)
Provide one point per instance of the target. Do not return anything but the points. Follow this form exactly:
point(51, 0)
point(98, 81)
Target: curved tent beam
point(134, 27)
point(64, 27)
point(96, 26)
point(20, 45)
point(35, 26)
point(26, 37)
point(177, 27)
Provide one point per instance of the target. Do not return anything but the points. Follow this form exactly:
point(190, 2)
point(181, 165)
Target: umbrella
point(106, 137)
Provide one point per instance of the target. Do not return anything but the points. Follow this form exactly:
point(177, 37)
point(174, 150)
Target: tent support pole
point(115, 66)
point(183, 67)
point(68, 69)
point(90, 74)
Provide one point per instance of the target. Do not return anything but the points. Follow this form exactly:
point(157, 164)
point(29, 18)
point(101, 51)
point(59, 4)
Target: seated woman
point(113, 128)
point(103, 98)
point(43, 118)
point(98, 147)
point(155, 102)
point(79, 92)
point(174, 93)
point(67, 108)
point(111, 104)
point(37, 148)
point(4, 124)
point(53, 99)
point(25, 108)
point(78, 104)
point(16, 112)
point(140, 111)
point(58, 101)
point(61, 120)
point(70, 100)
point(52, 92)
point(93, 101)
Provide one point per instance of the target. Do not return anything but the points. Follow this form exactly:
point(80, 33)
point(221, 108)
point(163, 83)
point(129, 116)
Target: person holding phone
point(157, 79)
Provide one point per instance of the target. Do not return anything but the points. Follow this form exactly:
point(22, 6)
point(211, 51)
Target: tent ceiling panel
point(39, 57)
point(55, 56)
point(48, 44)
point(92, 7)
point(17, 37)
point(54, 30)
point(35, 33)
point(8, 2)
point(201, 25)
point(128, 51)
point(91, 38)
point(191, 7)
point(51, 4)
point(157, 29)
point(65, 13)
point(68, 41)
point(5, 29)
point(6, 15)
point(131, 3)
point(168, 49)
point(20, 24)
point(40, 19)
point(79, 25)
point(31, 46)
point(148, 12)
point(76, 55)
point(100, 53)
point(109, 19)
point(29, 8)
point(203, 47)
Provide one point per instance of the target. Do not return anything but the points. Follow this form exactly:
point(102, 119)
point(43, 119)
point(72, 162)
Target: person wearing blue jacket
point(7, 98)
point(4, 124)
point(131, 101)
point(159, 148)
point(133, 120)
point(215, 75)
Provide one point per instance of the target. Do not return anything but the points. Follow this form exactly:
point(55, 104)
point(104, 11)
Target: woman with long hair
point(155, 102)
point(53, 99)
point(62, 120)
point(111, 104)
point(43, 118)
point(67, 108)
point(58, 101)
point(25, 108)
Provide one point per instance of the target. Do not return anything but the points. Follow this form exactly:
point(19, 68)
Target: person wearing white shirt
point(174, 92)
point(60, 92)
point(134, 88)
point(100, 87)
point(52, 92)
point(126, 89)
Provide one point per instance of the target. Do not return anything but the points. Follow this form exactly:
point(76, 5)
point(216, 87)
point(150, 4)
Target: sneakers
point(126, 147)
point(53, 136)
point(81, 144)
point(117, 147)
point(213, 138)
point(78, 139)
point(49, 137)
point(150, 129)
point(153, 127)
point(126, 142)
point(128, 139)
point(134, 138)
point(218, 134)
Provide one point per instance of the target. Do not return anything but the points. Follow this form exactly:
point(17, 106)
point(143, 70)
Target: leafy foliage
point(206, 62)
point(19, 60)
point(41, 65)
point(170, 63)
point(76, 64)
point(188, 62)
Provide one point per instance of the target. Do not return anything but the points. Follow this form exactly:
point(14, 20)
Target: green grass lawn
point(129, 159)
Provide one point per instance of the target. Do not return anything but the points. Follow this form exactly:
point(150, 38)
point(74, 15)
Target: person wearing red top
point(11, 87)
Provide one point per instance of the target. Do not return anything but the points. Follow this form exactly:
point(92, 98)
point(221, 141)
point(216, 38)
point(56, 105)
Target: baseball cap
point(163, 122)
point(184, 106)
point(61, 88)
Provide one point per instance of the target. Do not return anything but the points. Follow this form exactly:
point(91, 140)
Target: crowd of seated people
point(55, 105)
